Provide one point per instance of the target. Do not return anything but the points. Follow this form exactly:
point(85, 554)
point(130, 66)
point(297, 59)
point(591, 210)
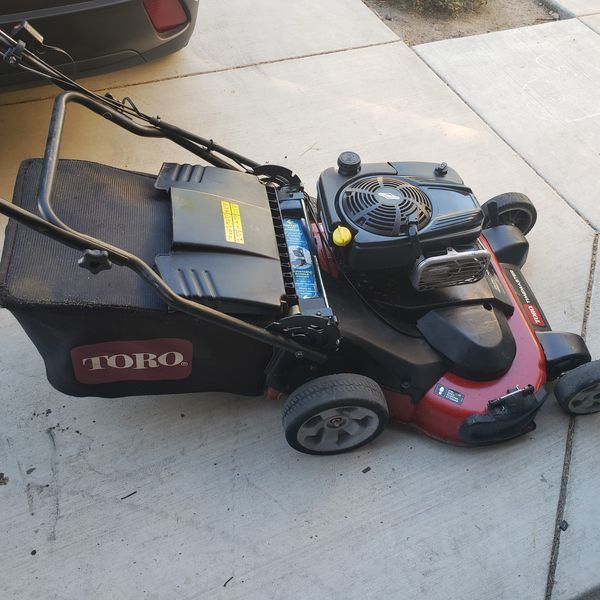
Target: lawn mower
point(392, 295)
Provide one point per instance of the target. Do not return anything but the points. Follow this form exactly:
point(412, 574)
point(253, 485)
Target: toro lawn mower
point(394, 294)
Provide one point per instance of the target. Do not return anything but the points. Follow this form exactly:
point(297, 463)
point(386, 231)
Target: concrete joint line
point(562, 497)
point(587, 24)
point(224, 69)
point(500, 136)
point(590, 288)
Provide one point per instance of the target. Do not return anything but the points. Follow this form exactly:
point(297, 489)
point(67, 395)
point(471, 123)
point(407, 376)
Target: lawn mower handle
point(158, 129)
point(16, 54)
point(82, 242)
point(52, 226)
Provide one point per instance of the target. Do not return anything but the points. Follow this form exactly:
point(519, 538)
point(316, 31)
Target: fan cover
point(385, 205)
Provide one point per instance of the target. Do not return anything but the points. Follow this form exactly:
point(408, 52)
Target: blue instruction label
point(301, 259)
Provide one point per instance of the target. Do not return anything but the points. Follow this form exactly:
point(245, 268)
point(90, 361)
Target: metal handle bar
point(55, 131)
point(52, 226)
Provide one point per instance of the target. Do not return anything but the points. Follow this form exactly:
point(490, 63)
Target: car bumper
point(101, 35)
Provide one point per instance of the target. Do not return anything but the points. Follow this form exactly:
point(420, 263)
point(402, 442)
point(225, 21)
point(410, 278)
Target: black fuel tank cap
point(348, 164)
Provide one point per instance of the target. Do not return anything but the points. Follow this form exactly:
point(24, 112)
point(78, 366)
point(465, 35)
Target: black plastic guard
point(508, 244)
point(563, 351)
point(475, 339)
point(504, 422)
point(232, 283)
point(224, 252)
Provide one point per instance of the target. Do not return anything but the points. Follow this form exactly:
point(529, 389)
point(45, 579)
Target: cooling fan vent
point(385, 205)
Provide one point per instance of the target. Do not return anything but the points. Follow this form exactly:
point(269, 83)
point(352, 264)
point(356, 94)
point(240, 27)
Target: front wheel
point(578, 391)
point(513, 209)
point(334, 414)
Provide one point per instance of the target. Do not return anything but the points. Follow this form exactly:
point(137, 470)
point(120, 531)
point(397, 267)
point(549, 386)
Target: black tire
point(513, 209)
point(578, 391)
point(345, 411)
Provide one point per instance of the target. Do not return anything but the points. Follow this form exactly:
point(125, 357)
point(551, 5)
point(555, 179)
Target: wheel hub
point(586, 401)
point(338, 428)
point(336, 422)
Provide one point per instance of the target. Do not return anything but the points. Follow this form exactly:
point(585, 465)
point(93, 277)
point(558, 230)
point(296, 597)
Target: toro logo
point(141, 360)
point(534, 315)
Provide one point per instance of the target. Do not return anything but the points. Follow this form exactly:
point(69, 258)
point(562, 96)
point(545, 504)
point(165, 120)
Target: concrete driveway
point(221, 506)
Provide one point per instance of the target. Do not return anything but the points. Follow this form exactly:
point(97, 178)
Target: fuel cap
point(342, 236)
point(348, 164)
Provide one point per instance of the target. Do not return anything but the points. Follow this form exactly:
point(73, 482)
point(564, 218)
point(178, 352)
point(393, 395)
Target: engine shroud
point(381, 201)
point(385, 205)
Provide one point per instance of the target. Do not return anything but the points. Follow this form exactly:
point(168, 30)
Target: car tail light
point(165, 14)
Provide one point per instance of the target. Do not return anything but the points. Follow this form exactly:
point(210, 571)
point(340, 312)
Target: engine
point(415, 218)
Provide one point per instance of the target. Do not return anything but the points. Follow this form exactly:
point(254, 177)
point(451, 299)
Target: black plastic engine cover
point(378, 204)
point(476, 340)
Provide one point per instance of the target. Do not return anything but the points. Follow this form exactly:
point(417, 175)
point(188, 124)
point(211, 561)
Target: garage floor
point(200, 496)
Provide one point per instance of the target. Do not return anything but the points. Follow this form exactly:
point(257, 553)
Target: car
point(99, 35)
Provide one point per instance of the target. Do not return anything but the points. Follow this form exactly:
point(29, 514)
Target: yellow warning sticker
point(232, 222)
point(238, 230)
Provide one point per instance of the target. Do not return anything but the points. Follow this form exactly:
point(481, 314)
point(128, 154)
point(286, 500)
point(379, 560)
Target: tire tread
point(573, 381)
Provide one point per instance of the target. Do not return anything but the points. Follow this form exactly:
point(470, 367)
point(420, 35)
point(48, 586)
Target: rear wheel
point(578, 391)
point(513, 209)
point(334, 414)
